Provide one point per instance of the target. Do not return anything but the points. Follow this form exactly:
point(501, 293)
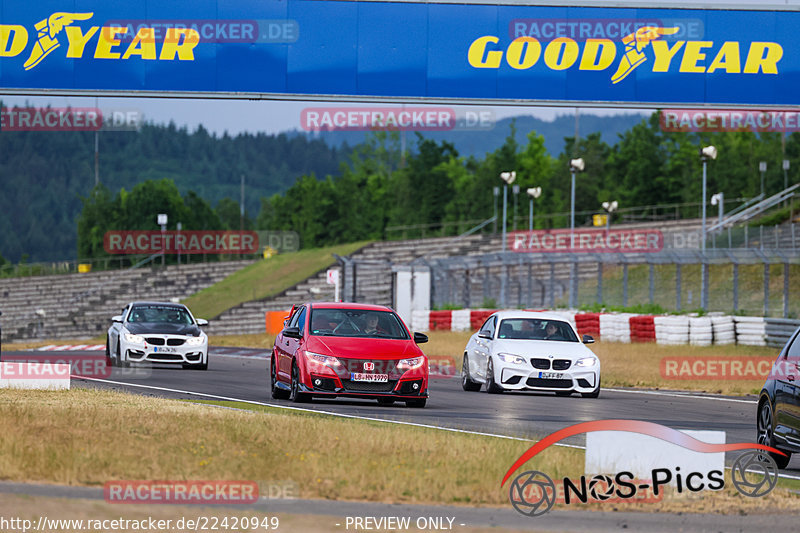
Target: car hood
point(162, 328)
point(541, 348)
point(361, 348)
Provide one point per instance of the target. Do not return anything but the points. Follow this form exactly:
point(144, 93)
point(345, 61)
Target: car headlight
point(410, 364)
point(511, 358)
point(326, 360)
point(134, 339)
point(196, 341)
point(586, 361)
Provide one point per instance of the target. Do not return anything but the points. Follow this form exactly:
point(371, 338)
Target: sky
point(238, 116)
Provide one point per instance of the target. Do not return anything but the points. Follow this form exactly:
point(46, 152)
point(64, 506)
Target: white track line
point(357, 417)
point(330, 413)
point(681, 395)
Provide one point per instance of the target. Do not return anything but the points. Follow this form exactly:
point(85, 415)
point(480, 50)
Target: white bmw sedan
point(524, 350)
point(157, 332)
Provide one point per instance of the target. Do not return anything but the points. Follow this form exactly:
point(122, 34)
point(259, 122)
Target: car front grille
point(175, 342)
point(379, 366)
point(549, 383)
point(160, 356)
point(540, 364)
point(561, 364)
point(155, 341)
point(368, 386)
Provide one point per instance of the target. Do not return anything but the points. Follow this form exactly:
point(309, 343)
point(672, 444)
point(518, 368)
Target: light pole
point(161, 220)
point(610, 207)
point(515, 190)
point(785, 174)
point(709, 152)
point(705, 153)
point(496, 191)
point(719, 200)
point(762, 167)
point(533, 192)
point(575, 165)
point(508, 178)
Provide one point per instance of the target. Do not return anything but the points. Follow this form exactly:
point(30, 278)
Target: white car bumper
point(166, 349)
point(525, 377)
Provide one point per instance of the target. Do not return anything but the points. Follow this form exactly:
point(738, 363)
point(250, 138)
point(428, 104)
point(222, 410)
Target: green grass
point(265, 279)
point(751, 289)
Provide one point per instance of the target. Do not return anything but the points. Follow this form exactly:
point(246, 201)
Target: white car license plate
point(165, 349)
point(550, 375)
point(375, 378)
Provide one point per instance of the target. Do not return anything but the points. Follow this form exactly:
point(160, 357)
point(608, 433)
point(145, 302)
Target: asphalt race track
point(521, 415)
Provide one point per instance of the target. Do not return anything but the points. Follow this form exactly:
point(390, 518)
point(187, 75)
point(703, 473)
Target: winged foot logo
point(63, 28)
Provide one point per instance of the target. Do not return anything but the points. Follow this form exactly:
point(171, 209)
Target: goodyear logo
point(100, 42)
point(639, 48)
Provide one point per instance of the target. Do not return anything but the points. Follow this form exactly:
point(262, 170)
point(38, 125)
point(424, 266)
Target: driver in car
point(551, 333)
point(371, 326)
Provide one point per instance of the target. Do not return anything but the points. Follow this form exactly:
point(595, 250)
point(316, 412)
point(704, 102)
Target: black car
point(778, 418)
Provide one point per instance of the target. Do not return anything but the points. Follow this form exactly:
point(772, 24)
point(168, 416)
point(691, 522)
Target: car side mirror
point(293, 332)
point(484, 335)
point(588, 339)
point(202, 322)
point(117, 319)
point(420, 338)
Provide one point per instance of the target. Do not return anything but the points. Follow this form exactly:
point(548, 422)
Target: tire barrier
point(700, 331)
point(671, 329)
point(643, 328)
point(588, 324)
point(714, 329)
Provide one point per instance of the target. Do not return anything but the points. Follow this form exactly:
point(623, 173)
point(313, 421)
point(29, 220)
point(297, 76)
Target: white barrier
point(700, 331)
point(672, 329)
point(460, 320)
point(420, 320)
point(751, 330)
point(724, 329)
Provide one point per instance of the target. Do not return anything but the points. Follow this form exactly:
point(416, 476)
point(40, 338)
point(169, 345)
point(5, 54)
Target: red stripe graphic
point(633, 426)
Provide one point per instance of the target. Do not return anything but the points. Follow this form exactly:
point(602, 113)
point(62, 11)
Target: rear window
point(356, 323)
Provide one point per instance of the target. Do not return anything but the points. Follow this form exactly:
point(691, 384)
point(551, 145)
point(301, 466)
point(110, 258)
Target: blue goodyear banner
point(399, 50)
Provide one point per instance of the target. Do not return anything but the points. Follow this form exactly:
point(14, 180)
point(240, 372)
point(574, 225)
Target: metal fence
point(741, 281)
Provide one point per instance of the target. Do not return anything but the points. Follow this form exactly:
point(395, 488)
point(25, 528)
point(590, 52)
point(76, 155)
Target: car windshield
point(536, 329)
point(356, 323)
point(160, 314)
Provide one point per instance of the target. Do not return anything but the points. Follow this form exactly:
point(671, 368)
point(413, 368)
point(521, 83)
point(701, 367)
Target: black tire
point(491, 386)
point(417, 404)
point(295, 395)
point(277, 393)
point(766, 435)
point(466, 383)
point(109, 360)
point(120, 363)
point(595, 393)
point(385, 401)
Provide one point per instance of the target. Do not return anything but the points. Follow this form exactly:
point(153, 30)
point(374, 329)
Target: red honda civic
point(354, 350)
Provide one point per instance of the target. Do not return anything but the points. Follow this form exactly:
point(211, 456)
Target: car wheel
point(120, 362)
point(419, 404)
point(595, 393)
point(295, 395)
point(766, 435)
point(385, 401)
point(466, 383)
point(109, 361)
point(491, 386)
point(277, 393)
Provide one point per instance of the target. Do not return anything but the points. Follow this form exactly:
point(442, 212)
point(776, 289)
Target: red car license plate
point(375, 378)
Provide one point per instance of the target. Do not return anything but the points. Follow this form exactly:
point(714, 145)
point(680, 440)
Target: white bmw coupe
point(525, 350)
point(157, 332)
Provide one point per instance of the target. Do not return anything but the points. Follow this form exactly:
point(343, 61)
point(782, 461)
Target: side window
point(793, 353)
point(301, 320)
point(293, 321)
point(488, 326)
